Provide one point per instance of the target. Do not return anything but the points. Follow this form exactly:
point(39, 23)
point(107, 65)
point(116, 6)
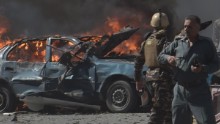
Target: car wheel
point(121, 97)
point(7, 100)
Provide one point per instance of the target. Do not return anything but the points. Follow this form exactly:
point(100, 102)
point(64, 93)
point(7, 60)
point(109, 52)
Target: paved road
point(100, 118)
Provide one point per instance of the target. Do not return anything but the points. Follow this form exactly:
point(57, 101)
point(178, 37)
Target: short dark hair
point(194, 18)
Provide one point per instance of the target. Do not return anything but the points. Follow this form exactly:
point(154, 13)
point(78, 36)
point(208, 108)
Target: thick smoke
point(69, 17)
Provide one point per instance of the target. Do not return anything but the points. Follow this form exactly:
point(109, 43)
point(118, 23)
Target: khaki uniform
point(161, 84)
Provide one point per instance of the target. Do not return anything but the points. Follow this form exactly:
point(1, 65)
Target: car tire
point(121, 97)
point(7, 100)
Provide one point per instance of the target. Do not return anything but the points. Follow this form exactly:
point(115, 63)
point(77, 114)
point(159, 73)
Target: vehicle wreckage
point(67, 72)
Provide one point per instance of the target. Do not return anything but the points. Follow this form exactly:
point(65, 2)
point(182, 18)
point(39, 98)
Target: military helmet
point(159, 20)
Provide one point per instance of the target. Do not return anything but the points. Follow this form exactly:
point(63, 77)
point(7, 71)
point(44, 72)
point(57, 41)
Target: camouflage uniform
point(161, 87)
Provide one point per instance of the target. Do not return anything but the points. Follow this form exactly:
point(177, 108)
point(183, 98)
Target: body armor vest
point(152, 48)
point(150, 52)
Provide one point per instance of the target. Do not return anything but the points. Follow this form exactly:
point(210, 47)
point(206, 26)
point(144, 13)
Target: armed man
point(158, 77)
point(192, 57)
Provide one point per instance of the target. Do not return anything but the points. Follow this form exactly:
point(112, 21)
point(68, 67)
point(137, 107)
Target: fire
point(55, 58)
point(3, 30)
point(33, 51)
point(128, 47)
point(91, 38)
point(112, 25)
point(4, 27)
point(5, 42)
point(38, 45)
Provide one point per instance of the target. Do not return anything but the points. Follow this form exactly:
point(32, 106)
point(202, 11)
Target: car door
point(23, 64)
point(78, 82)
point(55, 49)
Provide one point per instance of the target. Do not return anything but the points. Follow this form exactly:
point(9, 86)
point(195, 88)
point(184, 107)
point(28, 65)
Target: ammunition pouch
point(153, 75)
point(157, 74)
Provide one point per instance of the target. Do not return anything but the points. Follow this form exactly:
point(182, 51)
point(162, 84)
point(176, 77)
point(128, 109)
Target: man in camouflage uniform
point(161, 82)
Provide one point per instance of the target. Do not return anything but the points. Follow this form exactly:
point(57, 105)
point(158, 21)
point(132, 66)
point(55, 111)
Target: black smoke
point(69, 17)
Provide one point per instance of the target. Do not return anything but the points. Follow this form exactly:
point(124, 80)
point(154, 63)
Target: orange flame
point(3, 30)
point(4, 27)
point(127, 47)
point(112, 24)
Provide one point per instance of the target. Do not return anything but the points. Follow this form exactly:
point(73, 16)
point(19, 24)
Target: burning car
point(68, 72)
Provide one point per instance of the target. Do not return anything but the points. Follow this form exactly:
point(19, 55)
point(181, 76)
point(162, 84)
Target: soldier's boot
point(155, 117)
point(168, 118)
point(168, 121)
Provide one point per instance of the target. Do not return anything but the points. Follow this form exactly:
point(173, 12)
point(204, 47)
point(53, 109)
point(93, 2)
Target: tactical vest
point(151, 49)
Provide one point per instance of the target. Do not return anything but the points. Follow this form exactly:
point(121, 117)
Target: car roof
point(26, 39)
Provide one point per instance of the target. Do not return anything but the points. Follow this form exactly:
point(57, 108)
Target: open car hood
point(109, 42)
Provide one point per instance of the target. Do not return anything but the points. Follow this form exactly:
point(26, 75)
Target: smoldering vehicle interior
point(68, 72)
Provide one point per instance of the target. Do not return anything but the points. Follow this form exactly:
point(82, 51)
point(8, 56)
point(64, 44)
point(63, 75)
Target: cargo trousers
point(162, 99)
point(196, 101)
